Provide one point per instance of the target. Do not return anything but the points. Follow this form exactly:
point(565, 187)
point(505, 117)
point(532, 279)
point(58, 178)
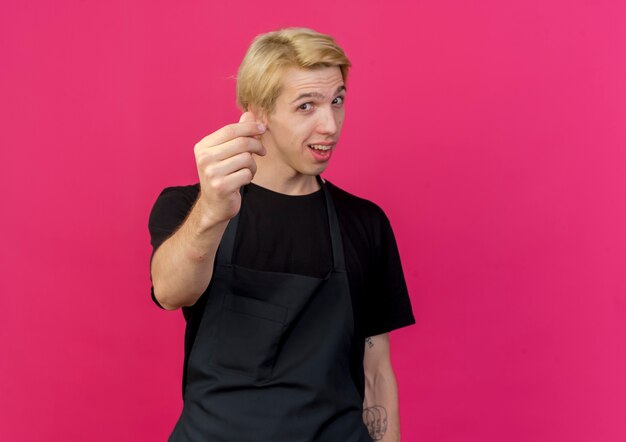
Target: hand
point(225, 163)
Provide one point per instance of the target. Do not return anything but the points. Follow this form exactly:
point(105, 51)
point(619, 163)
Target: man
point(289, 285)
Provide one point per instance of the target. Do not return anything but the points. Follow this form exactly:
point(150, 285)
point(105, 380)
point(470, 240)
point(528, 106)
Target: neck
point(288, 182)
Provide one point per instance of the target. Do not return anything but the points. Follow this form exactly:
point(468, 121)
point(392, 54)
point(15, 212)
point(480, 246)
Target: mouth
point(321, 147)
point(321, 152)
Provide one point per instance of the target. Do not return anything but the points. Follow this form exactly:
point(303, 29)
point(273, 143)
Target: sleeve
point(168, 213)
point(390, 304)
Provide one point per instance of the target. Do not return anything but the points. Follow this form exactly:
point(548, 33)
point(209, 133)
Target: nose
point(327, 123)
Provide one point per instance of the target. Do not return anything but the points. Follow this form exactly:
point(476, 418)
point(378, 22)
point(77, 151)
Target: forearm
point(380, 407)
point(182, 266)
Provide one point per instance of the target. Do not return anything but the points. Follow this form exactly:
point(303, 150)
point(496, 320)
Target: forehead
point(324, 80)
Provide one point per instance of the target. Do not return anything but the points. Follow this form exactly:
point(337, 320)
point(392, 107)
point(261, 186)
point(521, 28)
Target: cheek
point(300, 130)
point(340, 116)
point(286, 133)
point(278, 130)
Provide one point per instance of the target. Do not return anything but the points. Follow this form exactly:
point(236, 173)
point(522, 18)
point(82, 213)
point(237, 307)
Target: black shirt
point(290, 233)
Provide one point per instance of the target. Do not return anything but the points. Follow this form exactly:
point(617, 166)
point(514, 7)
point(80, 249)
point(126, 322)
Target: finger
point(237, 179)
point(230, 132)
point(231, 148)
point(247, 117)
point(233, 164)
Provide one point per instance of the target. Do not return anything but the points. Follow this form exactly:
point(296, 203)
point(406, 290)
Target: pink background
point(493, 135)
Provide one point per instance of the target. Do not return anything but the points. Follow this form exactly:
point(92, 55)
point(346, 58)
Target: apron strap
point(227, 245)
point(335, 233)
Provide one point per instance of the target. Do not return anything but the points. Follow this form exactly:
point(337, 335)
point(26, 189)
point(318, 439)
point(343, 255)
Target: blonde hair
point(260, 72)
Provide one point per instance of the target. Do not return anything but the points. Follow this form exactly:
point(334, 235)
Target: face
point(304, 127)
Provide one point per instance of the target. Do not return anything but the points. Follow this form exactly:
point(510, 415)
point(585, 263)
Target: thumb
point(247, 117)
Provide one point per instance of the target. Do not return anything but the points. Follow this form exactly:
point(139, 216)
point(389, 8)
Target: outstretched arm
point(182, 267)
point(380, 407)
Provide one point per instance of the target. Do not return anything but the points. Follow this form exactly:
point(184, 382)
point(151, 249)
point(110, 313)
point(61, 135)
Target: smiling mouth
point(321, 147)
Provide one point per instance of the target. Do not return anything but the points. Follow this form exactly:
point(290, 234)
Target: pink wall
point(493, 135)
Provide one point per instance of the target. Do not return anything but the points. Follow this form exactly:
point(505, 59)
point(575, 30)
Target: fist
point(225, 162)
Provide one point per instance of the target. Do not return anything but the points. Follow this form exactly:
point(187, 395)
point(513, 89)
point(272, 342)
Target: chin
point(315, 170)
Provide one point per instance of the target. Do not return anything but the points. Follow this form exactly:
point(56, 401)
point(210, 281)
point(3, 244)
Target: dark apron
point(270, 361)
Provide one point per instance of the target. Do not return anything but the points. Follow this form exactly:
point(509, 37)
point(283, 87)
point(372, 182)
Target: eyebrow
point(341, 88)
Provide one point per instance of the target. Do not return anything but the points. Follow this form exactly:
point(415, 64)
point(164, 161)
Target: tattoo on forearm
point(369, 341)
point(375, 419)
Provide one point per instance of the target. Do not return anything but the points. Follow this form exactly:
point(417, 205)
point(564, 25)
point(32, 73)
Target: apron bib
point(270, 361)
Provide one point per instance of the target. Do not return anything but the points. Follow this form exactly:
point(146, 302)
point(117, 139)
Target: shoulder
point(360, 218)
point(353, 206)
point(172, 206)
point(353, 202)
point(183, 193)
point(373, 262)
point(176, 198)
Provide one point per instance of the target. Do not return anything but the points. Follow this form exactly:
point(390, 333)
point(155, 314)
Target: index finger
point(232, 131)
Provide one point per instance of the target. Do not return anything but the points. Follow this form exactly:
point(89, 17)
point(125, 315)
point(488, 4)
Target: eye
point(305, 106)
point(338, 100)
